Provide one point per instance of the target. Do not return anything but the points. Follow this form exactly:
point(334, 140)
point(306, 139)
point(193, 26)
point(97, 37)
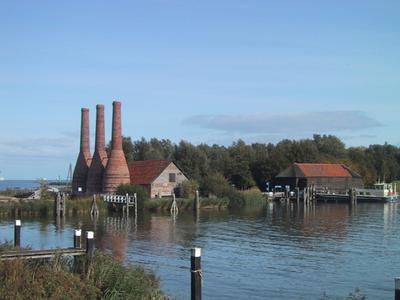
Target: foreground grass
point(106, 279)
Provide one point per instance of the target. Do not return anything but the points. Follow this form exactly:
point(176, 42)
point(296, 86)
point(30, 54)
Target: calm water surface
point(273, 252)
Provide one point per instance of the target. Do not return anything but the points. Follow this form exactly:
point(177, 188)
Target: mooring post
point(197, 201)
point(78, 238)
point(135, 199)
point(89, 243)
point(397, 288)
point(196, 273)
point(89, 250)
point(350, 192)
point(17, 233)
point(127, 205)
point(77, 263)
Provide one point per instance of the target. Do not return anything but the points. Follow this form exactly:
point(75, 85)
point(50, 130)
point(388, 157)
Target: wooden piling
point(195, 273)
point(397, 288)
point(127, 205)
point(17, 233)
point(197, 201)
point(94, 211)
point(78, 262)
point(89, 243)
point(78, 238)
point(135, 199)
point(89, 250)
point(174, 207)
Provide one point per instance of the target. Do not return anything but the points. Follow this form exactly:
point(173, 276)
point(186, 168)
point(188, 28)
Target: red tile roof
point(324, 170)
point(146, 171)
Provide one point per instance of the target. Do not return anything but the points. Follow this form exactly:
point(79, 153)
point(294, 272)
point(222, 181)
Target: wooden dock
point(41, 254)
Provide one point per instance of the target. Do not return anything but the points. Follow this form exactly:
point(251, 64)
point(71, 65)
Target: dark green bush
point(216, 185)
point(188, 188)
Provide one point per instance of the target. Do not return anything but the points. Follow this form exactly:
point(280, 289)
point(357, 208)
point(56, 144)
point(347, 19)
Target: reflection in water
point(280, 251)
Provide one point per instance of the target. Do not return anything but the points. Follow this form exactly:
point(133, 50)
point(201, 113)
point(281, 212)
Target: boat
point(385, 191)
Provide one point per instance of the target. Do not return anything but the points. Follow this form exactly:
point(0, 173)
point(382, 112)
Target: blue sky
point(204, 71)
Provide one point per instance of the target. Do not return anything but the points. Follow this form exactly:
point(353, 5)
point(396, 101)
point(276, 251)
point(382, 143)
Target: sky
point(203, 71)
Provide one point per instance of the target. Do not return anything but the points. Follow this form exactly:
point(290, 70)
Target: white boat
point(386, 191)
point(2, 178)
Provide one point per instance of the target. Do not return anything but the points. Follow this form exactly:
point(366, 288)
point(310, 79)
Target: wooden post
point(57, 200)
point(63, 204)
point(89, 243)
point(17, 233)
point(298, 195)
point(174, 207)
point(78, 262)
point(127, 205)
point(135, 198)
point(77, 238)
point(197, 201)
point(89, 250)
point(397, 288)
point(94, 211)
point(351, 202)
point(196, 273)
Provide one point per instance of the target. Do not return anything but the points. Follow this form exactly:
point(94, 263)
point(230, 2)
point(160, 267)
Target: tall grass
point(45, 207)
point(106, 279)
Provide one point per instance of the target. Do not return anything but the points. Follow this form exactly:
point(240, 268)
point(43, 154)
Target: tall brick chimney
point(117, 171)
point(99, 161)
point(84, 158)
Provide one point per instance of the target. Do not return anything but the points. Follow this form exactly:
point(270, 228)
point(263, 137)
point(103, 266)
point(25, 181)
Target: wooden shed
point(160, 177)
point(329, 177)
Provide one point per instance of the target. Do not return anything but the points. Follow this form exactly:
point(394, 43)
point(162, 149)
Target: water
point(19, 184)
point(274, 252)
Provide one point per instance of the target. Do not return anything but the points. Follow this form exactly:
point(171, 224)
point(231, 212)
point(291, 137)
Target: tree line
point(248, 165)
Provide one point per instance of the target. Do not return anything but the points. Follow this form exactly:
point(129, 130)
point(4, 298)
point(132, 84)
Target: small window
point(172, 177)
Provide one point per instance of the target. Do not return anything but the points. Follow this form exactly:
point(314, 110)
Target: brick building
point(160, 177)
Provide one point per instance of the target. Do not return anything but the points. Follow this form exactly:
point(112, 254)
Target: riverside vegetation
point(107, 278)
point(249, 165)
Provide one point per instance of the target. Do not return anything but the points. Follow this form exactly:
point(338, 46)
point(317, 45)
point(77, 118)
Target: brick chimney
point(84, 158)
point(99, 161)
point(117, 171)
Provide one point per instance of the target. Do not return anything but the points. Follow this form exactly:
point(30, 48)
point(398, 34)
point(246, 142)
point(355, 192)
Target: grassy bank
point(235, 199)
point(106, 279)
point(45, 207)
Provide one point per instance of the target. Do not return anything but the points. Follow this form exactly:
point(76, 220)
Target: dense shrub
point(215, 184)
point(188, 188)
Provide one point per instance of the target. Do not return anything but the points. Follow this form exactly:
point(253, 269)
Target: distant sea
point(22, 184)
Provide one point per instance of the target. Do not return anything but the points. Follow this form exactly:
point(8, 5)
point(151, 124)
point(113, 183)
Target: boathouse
point(335, 178)
point(160, 177)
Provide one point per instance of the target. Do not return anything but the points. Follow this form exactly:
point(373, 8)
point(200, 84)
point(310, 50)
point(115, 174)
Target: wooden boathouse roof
point(303, 170)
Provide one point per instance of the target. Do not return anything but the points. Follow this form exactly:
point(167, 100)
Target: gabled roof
point(301, 170)
point(146, 171)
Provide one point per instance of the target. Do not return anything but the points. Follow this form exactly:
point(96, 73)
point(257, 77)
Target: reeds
point(54, 279)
